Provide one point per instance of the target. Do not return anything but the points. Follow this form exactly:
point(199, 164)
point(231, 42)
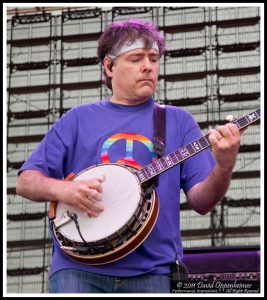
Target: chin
point(147, 93)
point(145, 97)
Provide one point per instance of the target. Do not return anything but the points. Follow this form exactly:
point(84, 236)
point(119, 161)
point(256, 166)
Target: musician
point(120, 130)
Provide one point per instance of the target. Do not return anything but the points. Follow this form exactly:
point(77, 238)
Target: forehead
point(141, 52)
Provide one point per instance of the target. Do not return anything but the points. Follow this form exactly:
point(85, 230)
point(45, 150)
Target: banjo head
point(121, 196)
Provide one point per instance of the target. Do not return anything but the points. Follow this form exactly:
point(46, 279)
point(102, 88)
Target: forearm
point(225, 142)
point(206, 194)
point(35, 186)
point(83, 194)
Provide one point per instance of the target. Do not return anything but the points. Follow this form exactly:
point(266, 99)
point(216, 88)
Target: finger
point(83, 206)
point(94, 184)
point(213, 140)
point(233, 129)
point(214, 135)
point(94, 205)
point(242, 130)
point(224, 131)
point(91, 213)
point(90, 205)
point(94, 194)
point(102, 178)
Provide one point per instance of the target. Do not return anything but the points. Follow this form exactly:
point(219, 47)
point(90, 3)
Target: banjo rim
point(122, 223)
point(128, 245)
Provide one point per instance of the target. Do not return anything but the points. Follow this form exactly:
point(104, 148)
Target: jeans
point(77, 281)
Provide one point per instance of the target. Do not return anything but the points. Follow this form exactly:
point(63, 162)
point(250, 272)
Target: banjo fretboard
point(168, 161)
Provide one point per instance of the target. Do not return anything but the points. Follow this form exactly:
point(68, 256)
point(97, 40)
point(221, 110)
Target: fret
point(204, 142)
point(190, 149)
point(236, 123)
point(178, 155)
point(247, 121)
point(163, 162)
point(252, 116)
point(207, 140)
point(159, 165)
point(140, 175)
point(145, 173)
point(155, 167)
point(150, 170)
point(196, 146)
point(258, 111)
point(184, 152)
point(243, 121)
point(168, 161)
point(172, 159)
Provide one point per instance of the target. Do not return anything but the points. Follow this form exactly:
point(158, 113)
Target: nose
point(146, 66)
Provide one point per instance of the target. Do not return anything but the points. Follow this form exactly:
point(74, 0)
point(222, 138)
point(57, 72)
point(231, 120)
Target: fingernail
point(102, 178)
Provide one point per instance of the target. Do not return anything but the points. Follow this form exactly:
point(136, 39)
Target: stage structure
point(211, 68)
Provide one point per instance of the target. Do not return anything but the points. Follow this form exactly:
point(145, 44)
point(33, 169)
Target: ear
point(107, 63)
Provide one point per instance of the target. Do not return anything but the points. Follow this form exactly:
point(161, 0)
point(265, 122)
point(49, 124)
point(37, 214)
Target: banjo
point(131, 206)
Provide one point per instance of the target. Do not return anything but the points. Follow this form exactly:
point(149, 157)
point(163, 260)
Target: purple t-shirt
point(105, 132)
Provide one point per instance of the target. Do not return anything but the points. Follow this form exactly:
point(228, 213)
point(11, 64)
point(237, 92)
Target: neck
point(125, 101)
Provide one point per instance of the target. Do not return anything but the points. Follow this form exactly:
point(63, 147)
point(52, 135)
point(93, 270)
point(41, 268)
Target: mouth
point(147, 80)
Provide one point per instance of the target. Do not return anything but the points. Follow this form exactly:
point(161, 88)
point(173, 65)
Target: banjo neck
point(170, 160)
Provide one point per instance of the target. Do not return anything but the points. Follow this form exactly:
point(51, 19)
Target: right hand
point(83, 194)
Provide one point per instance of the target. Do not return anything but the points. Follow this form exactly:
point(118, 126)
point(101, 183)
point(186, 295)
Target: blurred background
point(211, 68)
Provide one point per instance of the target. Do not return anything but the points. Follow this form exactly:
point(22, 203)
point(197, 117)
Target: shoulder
point(178, 110)
point(88, 107)
point(80, 110)
point(76, 115)
point(180, 114)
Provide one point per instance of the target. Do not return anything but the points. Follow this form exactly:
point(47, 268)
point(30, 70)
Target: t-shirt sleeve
point(197, 167)
point(50, 154)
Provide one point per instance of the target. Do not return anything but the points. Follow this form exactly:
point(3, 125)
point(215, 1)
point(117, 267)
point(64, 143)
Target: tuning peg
point(230, 118)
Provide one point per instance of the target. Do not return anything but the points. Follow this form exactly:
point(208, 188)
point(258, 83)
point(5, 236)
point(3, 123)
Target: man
point(120, 130)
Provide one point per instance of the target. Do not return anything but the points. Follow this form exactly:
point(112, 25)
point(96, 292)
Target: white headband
point(128, 46)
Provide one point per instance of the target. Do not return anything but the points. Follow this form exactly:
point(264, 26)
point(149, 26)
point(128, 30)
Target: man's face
point(135, 75)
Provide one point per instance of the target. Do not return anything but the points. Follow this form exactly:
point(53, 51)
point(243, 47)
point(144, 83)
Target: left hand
point(225, 141)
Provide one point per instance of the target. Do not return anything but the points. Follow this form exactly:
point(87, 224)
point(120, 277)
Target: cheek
point(156, 70)
point(126, 76)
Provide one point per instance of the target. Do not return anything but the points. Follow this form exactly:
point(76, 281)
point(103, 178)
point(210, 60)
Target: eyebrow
point(140, 54)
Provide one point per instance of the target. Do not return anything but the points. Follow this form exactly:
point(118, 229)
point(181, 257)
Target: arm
point(84, 194)
point(225, 142)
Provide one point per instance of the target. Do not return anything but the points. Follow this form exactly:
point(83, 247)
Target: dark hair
point(117, 33)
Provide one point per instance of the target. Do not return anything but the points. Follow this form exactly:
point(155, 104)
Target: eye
point(135, 59)
point(154, 59)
